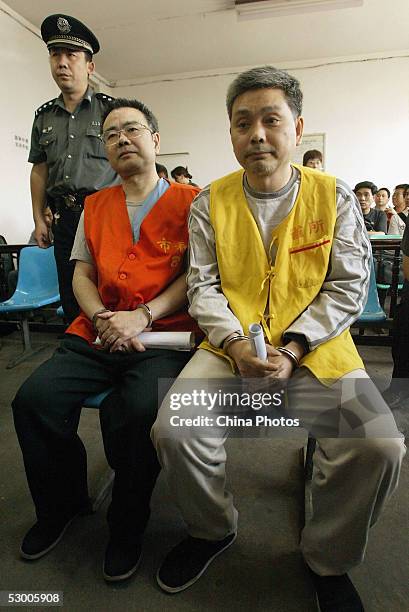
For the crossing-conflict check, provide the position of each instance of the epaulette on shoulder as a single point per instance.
(104, 97)
(45, 107)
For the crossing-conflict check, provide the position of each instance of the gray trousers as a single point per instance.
(352, 480)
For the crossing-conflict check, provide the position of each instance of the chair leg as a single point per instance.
(26, 336)
(28, 349)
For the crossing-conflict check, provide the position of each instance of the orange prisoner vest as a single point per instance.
(130, 274)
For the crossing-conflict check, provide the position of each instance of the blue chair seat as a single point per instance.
(37, 283)
(37, 286)
(372, 316)
(373, 312)
(94, 401)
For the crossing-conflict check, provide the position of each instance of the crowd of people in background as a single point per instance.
(180, 174)
(381, 215)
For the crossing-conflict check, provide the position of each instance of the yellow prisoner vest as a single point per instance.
(303, 243)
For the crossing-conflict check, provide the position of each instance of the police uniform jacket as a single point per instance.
(70, 144)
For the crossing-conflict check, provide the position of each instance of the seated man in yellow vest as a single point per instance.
(129, 277)
(283, 246)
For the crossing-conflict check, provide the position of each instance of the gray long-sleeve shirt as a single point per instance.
(343, 294)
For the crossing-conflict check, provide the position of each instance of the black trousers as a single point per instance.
(64, 233)
(46, 413)
(400, 343)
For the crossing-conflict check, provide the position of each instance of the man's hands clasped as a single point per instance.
(250, 366)
(119, 331)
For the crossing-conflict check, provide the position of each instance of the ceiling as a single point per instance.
(141, 39)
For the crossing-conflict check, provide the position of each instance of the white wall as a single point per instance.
(363, 107)
(26, 84)
(192, 117)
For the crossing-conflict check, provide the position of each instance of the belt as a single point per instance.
(70, 201)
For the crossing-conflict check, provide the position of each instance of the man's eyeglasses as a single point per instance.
(131, 131)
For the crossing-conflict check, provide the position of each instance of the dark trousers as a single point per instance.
(400, 343)
(46, 415)
(64, 233)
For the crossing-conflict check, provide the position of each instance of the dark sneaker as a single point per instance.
(44, 535)
(188, 561)
(121, 561)
(336, 593)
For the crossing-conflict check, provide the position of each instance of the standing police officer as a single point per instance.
(67, 154)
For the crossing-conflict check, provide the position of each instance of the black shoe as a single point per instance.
(336, 593)
(42, 537)
(188, 561)
(121, 561)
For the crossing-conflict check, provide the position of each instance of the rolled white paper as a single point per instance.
(176, 341)
(256, 336)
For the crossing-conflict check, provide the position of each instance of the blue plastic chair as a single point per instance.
(37, 286)
(373, 312)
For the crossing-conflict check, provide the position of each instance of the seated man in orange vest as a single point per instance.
(129, 277)
(284, 247)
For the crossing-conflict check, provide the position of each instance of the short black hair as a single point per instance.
(312, 154)
(366, 185)
(384, 189)
(180, 171)
(161, 168)
(403, 186)
(140, 106)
